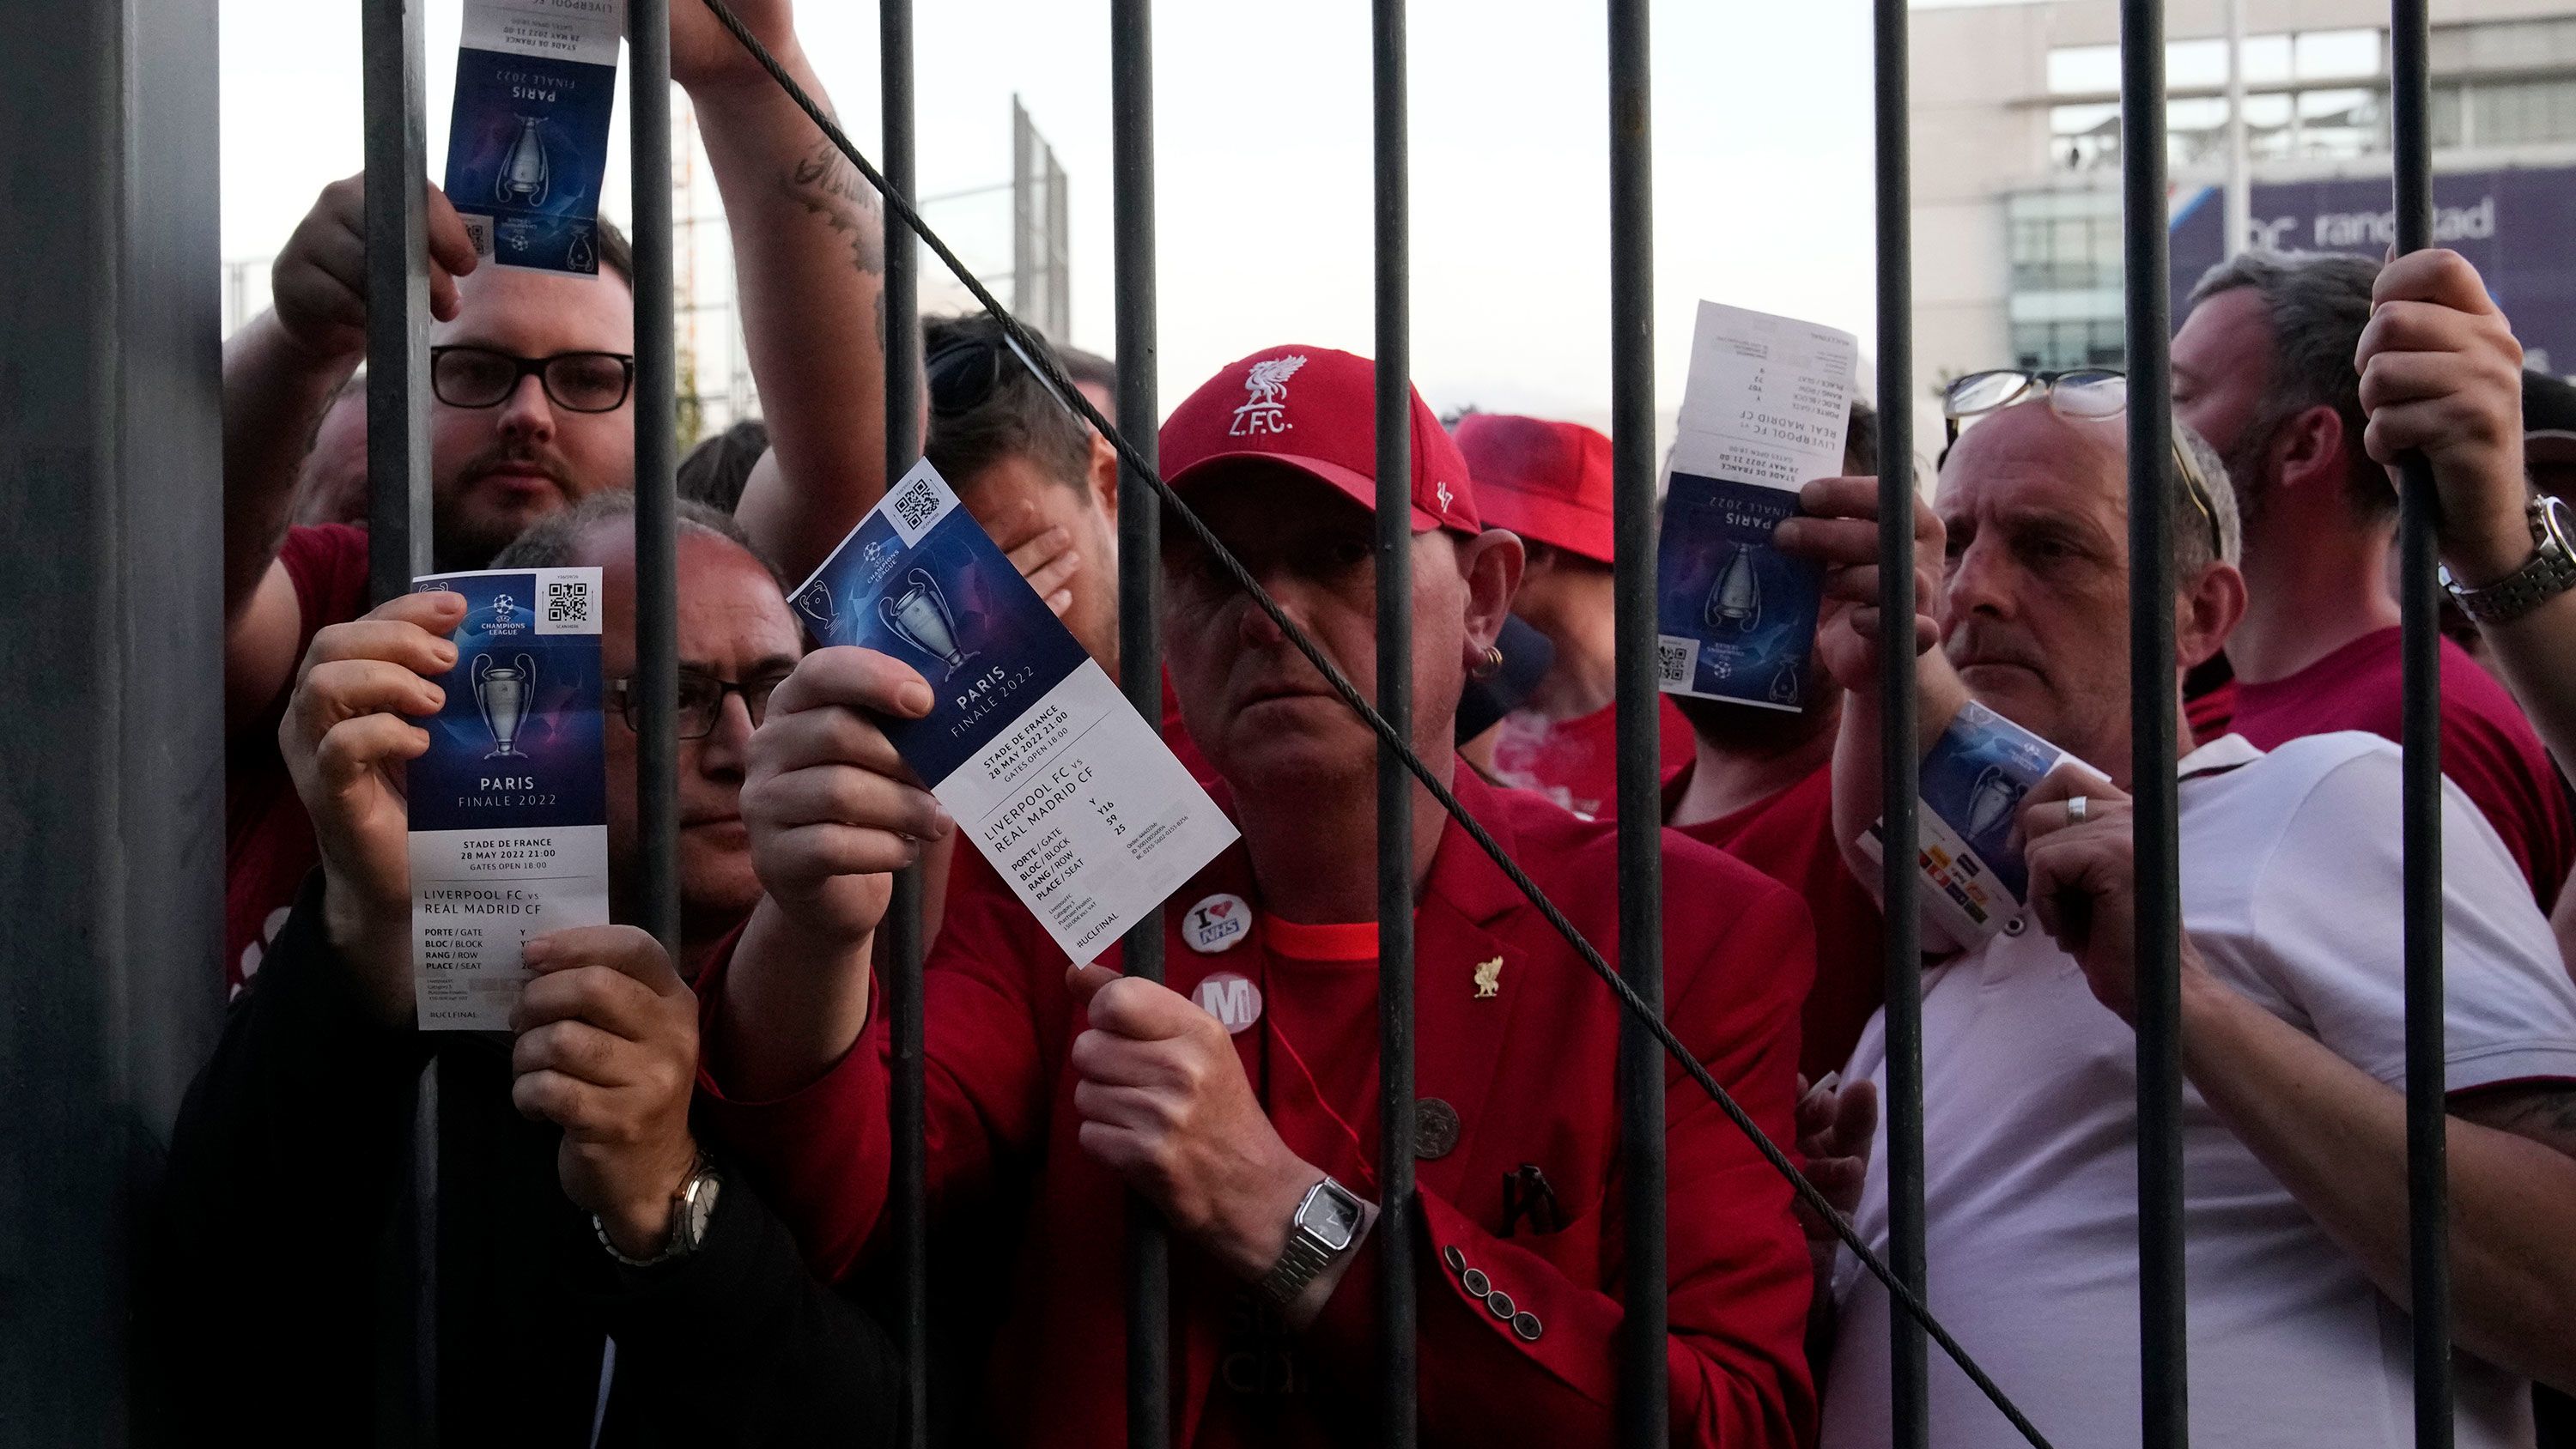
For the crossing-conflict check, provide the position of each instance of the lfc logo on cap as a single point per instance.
(1218, 923)
(1267, 381)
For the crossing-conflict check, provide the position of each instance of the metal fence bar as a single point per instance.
(2163, 1363)
(657, 617)
(1899, 762)
(909, 1177)
(398, 541)
(2427, 1160)
(1644, 1408)
(1140, 639)
(392, 50)
(1398, 1351)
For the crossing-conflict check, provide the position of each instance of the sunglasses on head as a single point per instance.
(963, 374)
(2083, 394)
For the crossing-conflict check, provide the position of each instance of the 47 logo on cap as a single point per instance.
(1218, 923)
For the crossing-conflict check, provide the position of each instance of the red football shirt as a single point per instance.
(2488, 748)
(1790, 838)
(1575, 762)
(268, 839)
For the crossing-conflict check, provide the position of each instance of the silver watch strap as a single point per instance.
(1298, 1264)
(2549, 572)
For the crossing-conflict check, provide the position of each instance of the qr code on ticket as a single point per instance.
(1673, 661)
(568, 602)
(478, 230)
(920, 501)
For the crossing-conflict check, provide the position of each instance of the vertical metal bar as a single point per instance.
(1024, 260)
(400, 549)
(1140, 636)
(398, 541)
(1899, 757)
(2427, 1161)
(910, 1169)
(1644, 1408)
(1398, 1352)
(657, 618)
(2154, 724)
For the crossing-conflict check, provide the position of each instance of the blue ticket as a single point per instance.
(509, 808)
(1973, 781)
(527, 144)
(1765, 411)
(1046, 767)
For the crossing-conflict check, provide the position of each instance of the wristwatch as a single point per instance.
(2549, 572)
(693, 1206)
(1326, 1221)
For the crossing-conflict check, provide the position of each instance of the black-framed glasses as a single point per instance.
(702, 698)
(962, 374)
(2085, 394)
(577, 382)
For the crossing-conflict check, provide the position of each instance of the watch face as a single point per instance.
(1332, 1216)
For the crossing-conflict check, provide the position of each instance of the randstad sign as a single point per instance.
(2511, 224)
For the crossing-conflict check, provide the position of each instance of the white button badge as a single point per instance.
(1218, 923)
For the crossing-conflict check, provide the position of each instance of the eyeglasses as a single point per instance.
(702, 698)
(2085, 394)
(962, 375)
(578, 382)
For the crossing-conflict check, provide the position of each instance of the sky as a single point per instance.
(1762, 180)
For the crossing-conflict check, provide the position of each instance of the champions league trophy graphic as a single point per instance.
(921, 618)
(525, 176)
(501, 691)
(816, 604)
(1784, 685)
(1736, 598)
(581, 256)
(1991, 801)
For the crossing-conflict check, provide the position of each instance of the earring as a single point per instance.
(1489, 666)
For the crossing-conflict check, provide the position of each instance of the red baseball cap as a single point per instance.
(1315, 410)
(1546, 481)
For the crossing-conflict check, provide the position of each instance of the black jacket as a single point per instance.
(275, 1288)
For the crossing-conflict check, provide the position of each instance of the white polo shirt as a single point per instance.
(2291, 890)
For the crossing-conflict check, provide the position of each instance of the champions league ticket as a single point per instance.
(528, 141)
(1972, 785)
(1768, 401)
(1069, 792)
(509, 809)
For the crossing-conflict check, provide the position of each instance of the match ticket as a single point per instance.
(1768, 401)
(509, 809)
(528, 143)
(1972, 783)
(1063, 786)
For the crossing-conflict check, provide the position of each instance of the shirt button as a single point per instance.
(1527, 1326)
(1475, 1282)
(1456, 1260)
(1501, 1303)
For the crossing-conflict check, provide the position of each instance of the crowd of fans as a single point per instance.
(664, 1199)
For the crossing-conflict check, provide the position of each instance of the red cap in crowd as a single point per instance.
(1548, 482)
(1315, 410)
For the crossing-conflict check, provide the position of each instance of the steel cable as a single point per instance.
(1033, 351)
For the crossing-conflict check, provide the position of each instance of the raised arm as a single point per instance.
(2441, 373)
(809, 273)
(281, 371)
(1840, 531)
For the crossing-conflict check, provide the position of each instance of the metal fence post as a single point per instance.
(657, 618)
(1398, 1350)
(2163, 1359)
(908, 1187)
(2427, 1158)
(1644, 1408)
(1140, 639)
(1899, 761)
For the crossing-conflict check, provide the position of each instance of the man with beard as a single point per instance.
(2265, 368)
(531, 376)
(2293, 1013)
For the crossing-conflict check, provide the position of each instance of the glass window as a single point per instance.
(2083, 69)
(2340, 123)
(2338, 54)
(2511, 113)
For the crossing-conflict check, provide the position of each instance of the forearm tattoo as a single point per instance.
(826, 184)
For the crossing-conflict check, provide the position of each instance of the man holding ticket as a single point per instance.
(531, 365)
(2292, 997)
(1240, 1098)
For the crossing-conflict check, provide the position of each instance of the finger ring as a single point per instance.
(2076, 805)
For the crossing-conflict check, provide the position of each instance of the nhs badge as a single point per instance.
(1219, 923)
